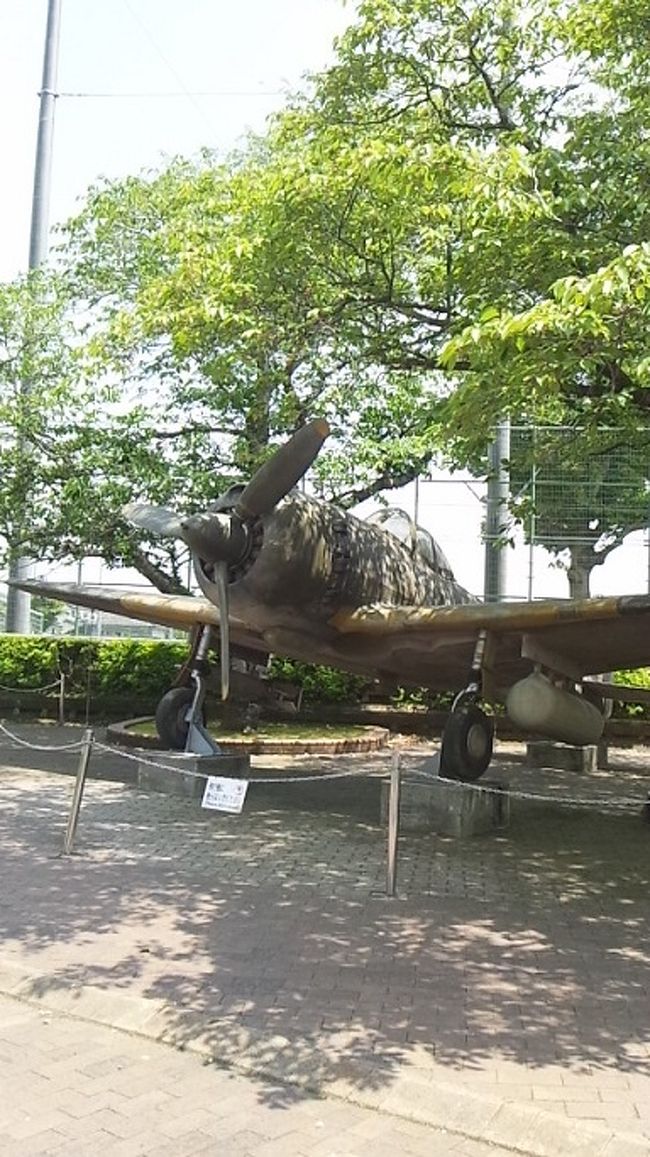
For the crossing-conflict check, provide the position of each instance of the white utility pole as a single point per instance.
(19, 603)
(497, 518)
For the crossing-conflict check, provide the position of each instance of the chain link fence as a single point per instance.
(567, 509)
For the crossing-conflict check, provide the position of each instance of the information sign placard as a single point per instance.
(224, 795)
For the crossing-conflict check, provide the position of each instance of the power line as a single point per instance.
(167, 62)
(226, 93)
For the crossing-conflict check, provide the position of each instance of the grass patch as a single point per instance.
(288, 731)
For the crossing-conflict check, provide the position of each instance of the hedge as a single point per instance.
(119, 671)
(637, 678)
(112, 667)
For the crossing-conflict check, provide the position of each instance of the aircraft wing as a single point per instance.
(430, 646)
(178, 611)
(576, 638)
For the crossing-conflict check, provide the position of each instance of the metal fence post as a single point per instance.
(77, 796)
(87, 703)
(393, 824)
(62, 698)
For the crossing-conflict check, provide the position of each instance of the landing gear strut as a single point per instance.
(180, 715)
(468, 737)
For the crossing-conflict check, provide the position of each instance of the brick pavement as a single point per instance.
(71, 1088)
(514, 971)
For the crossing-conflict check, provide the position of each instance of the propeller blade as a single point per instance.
(221, 583)
(277, 476)
(156, 519)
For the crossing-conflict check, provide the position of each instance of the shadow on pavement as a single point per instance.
(268, 932)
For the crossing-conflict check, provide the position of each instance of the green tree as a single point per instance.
(579, 507)
(426, 193)
(71, 447)
(576, 350)
(36, 373)
(319, 271)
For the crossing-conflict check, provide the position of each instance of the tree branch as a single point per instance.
(155, 574)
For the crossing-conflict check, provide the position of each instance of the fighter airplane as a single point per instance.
(281, 572)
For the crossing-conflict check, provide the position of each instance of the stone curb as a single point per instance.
(374, 739)
(412, 1096)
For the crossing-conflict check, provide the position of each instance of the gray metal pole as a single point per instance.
(61, 698)
(19, 602)
(38, 240)
(496, 519)
(77, 795)
(393, 825)
(532, 532)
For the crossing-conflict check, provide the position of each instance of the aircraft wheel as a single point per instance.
(171, 724)
(467, 744)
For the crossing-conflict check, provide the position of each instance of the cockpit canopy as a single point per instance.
(416, 538)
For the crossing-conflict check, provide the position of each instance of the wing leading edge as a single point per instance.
(585, 636)
(180, 611)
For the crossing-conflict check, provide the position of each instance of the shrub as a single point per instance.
(115, 667)
(638, 678)
(320, 684)
(118, 671)
(143, 667)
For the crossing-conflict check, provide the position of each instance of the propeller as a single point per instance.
(277, 476)
(221, 583)
(156, 519)
(215, 537)
(221, 538)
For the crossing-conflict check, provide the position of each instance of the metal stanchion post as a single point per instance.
(84, 757)
(62, 699)
(393, 825)
(87, 705)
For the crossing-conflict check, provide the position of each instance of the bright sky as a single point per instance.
(247, 55)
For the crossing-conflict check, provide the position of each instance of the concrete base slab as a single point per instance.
(563, 756)
(602, 755)
(451, 809)
(186, 774)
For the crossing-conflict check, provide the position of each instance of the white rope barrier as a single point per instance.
(250, 779)
(620, 803)
(30, 690)
(599, 802)
(602, 801)
(39, 746)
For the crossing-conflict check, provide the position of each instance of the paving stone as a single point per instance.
(509, 967)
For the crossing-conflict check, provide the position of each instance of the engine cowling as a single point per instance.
(536, 704)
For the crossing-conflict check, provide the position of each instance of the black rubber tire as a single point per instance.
(467, 743)
(171, 724)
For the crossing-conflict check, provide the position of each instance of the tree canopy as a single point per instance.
(447, 226)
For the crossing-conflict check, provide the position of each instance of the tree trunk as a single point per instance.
(579, 573)
(159, 578)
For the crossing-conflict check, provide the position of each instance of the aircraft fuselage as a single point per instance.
(312, 560)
